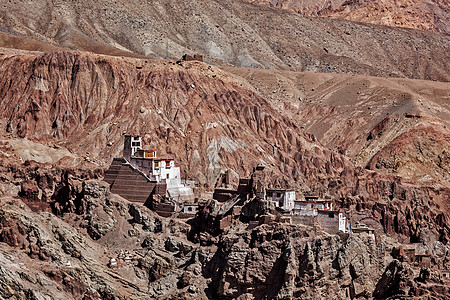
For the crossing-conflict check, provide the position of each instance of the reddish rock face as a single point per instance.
(64, 115)
(420, 148)
(401, 122)
(30, 191)
(11, 232)
(424, 15)
(207, 120)
(196, 113)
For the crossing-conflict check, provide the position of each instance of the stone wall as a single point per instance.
(329, 224)
(304, 220)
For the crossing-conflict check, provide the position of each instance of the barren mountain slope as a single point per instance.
(238, 33)
(192, 111)
(198, 114)
(431, 15)
(396, 125)
(63, 118)
(44, 256)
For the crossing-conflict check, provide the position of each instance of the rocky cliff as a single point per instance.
(292, 262)
(45, 256)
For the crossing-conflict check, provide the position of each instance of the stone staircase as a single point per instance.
(128, 182)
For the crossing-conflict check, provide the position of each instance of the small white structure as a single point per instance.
(112, 262)
(342, 222)
(332, 221)
(362, 228)
(282, 198)
(190, 208)
(136, 144)
(311, 205)
(161, 170)
(164, 170)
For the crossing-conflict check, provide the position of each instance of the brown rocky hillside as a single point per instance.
(81, 105)
(230, 32)
(396, 125)
(424, 15)
(63, 119)
(294, 94)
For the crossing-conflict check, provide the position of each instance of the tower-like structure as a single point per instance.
(131, 145)
(140, 174)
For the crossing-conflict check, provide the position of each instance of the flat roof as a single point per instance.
(329, 211)
(315, 201)
(152, 158)
(362, 229)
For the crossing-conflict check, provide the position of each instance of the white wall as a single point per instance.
(289, 200)
(283, 200)
(136, 144)
(168, 173)
(342, 222)
(192, 207)
(305, 212)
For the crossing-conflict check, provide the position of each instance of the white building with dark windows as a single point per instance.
(159, 170)
(190, 208)
(310, 205)
(330, 219)
(282, 198)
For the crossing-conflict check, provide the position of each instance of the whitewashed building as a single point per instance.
(158, 169)
(311, 205)
(282, 198)
(190, 208)
(332, 221)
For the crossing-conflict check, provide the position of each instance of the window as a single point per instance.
(189, 208)
(331, 215)
(136, 144)
(156, 164)
(168, 164)
(269, 194)
(148, 154)
(167, 176)
(278, 194)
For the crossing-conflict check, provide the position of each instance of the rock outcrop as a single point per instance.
(288, 261)
(63, 234)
